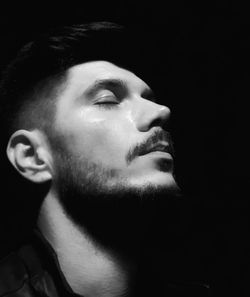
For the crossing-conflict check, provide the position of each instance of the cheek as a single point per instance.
(104, 140)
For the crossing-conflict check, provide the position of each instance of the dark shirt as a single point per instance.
(34, 271)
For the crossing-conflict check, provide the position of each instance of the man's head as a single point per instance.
(84, 123)
(107, 118)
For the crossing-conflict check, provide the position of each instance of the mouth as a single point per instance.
(159, 147)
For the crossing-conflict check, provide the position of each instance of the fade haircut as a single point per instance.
(32, 81)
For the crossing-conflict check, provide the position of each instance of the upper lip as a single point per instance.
(159, 147)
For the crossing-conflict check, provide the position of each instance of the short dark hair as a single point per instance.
(31, 81)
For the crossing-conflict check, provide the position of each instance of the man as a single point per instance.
(91, 130)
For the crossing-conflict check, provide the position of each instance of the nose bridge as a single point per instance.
(151, 114)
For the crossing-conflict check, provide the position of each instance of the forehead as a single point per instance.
(83, 75)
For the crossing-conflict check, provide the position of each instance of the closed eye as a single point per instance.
(108, 100)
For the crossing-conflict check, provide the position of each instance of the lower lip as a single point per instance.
(159, 154)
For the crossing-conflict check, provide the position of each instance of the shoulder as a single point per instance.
(14, 276)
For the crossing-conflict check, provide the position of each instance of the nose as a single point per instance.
(151, 115)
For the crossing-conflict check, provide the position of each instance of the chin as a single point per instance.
(159, 178)
(164, 179)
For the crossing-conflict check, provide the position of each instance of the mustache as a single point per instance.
(155, 138)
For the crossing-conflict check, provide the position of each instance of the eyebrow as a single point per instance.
(114, 83)
(109, 83)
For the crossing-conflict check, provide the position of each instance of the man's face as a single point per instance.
(109, 123)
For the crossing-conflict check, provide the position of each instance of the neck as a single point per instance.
(89, 269)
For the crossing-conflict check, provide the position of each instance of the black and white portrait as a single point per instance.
(123, 150)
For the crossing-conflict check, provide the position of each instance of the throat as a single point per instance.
(89, 269)
(95, 273)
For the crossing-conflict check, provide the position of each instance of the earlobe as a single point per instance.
(28, 153)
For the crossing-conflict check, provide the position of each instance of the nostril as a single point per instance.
(157, 122)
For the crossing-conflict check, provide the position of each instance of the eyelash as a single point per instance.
(107, 104)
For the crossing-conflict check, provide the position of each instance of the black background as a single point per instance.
(204, 79)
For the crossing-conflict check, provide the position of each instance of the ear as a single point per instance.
(29, 154)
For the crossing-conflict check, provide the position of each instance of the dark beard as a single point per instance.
(118, 217)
